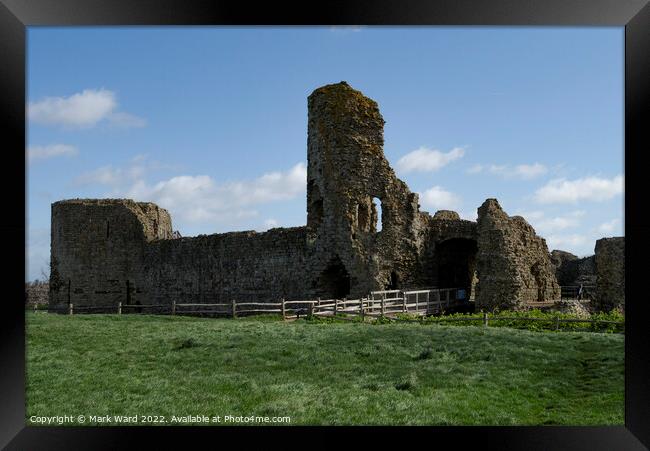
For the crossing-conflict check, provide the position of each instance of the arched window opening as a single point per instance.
(377, 215)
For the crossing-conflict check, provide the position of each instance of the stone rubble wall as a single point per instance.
(244, 266)
(513, 263)
(346, 170)
(110, 251)
(573, 271)
(610, 274)
(97, 248)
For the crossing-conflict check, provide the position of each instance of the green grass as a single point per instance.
(517, 320)
(321, 373)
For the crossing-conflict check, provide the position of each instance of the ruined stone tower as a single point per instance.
(348, 180)
(97, 249)
(106, 251)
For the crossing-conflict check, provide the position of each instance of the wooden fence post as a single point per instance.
(336, 303)
(70, 309)
(234, 309)
(119, 308)
(557, 323)
(284, 310)
(382, 307)
(448, 296)
(404, 308)
(361, 308)
(311, 310)
(485, 319)
(173, 307)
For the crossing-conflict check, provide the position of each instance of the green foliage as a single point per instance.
(543, 321)
(381, 320)
(331, 374)
(339, 318)
(265, 317)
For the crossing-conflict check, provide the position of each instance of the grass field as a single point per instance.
(320, 373)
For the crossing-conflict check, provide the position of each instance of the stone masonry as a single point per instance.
(610, 274)
(105, 251)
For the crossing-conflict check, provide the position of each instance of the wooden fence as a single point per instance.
(379, 304)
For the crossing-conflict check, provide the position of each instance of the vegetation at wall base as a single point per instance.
(517, 320)
(316, 372)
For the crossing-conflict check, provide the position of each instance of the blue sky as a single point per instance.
(211, 122)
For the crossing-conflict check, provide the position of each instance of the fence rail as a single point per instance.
(379, 304)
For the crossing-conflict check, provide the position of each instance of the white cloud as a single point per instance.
(521, 171)
(428, 160)
(126, 120)
(548, 225)
(269, 187)
(196, 199)
(572, 191)
(436, 198)
(469, 215)
(531, 216)
(83, 109)
(137, 168)
(476, 169)
(557, 223)
(51, 151)
(560, 241)
(529, 171)
(609, 227)
(106, 175)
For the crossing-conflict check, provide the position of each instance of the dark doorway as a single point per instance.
(334, 281)
(393, 284)
(455, 264)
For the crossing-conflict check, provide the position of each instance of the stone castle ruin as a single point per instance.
(105, 251)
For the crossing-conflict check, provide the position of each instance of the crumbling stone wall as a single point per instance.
(610, 273)
(513, 263)
(449, 255)
(346, 170)
(97, 249)
(573, 271)
(116, 250)
(245, 266)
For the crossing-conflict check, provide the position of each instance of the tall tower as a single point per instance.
(348, 181)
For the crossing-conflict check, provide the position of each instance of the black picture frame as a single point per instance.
(634, 15)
